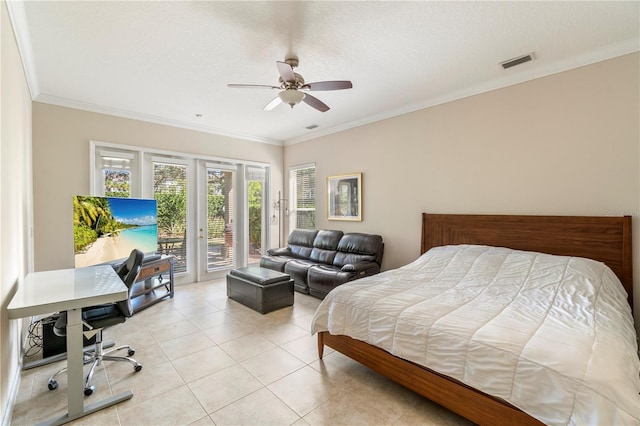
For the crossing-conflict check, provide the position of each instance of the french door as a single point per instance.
(211, 213)
(231, 218)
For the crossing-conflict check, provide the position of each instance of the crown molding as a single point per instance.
(523, 75)
(18, 19)
(100, 109)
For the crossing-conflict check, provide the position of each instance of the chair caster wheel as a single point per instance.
(131, 352)
(137, 368)
(52, 385)
(88, 391)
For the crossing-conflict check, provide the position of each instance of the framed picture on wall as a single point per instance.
(344, 197)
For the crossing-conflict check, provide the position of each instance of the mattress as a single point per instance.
(552, 335)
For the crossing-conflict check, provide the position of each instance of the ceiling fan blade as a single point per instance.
(315, 103)
(251, 86)
(328, 85)
(274, 103)
(286, 72)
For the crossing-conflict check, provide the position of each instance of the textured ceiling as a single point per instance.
(167, 62)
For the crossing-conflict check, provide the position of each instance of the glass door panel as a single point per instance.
(255, 178)
(220, 230)
(170, 192)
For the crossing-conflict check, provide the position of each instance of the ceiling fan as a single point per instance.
(293, 89)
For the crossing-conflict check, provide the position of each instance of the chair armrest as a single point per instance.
(282, 251)
(361, 269)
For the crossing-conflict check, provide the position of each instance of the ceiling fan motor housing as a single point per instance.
(299, 82)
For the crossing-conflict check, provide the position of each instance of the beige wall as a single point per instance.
(565, 144)
(16, 252)
(61, 166)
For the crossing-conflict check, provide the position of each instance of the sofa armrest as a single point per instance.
(282, 251)
(361, 269)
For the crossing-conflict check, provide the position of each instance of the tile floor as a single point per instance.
(209, 360)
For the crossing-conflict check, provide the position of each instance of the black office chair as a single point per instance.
(96, 318)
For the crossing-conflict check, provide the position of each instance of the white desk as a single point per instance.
(70, 290)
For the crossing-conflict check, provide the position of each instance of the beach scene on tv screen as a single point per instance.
(106, 229)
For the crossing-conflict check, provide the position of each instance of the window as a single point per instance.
(302, 190)
(117, 172)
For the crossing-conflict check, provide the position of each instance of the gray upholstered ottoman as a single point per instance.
(259, 288)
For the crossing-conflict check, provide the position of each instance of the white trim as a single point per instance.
(12, 395)
(92, 168)
(170, 161)
(116, 112)
(18, 19)
(220, 166)
(117, 154)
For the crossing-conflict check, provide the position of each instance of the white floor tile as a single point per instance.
(210, 360)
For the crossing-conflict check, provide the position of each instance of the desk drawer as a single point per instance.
(152, 270)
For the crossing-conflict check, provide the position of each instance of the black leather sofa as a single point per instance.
(320, 260)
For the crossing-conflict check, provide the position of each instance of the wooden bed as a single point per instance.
(606, 239)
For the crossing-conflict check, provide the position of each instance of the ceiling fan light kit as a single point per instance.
(292, 85)
(291, 97)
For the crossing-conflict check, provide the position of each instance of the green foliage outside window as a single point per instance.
(255, 212)
(170, 192)
(172, 211)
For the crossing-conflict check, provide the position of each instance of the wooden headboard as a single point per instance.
(605, 239)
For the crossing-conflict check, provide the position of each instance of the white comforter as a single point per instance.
(552, 335)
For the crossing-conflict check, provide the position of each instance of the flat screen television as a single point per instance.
(106, 229)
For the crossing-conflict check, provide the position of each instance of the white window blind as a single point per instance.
(302, 197)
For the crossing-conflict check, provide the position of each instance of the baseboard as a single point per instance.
(14, 386)
(7, 412)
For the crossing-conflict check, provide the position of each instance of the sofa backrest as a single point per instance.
(325, 245)
(301, 242)
(356, 247)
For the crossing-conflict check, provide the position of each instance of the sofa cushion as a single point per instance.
(323, 279)
(301, 242)
(356, 248)
(298, 269)
(325, 245)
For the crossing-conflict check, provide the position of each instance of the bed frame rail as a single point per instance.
(470, 403)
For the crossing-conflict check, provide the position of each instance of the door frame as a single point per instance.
(200, 220)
